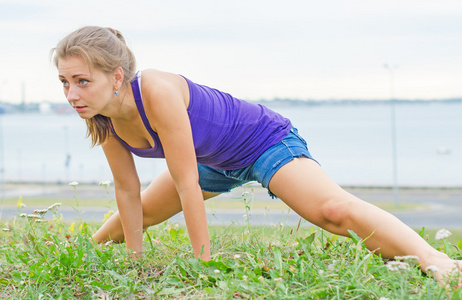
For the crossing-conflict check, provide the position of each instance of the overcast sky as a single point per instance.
(253, 49)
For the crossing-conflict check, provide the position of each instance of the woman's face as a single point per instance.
(89, 92)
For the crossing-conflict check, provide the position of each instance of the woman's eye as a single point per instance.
(83, 82)
(65, 83)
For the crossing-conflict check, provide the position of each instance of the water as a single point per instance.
(352, 143)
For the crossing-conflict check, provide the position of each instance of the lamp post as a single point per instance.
(2, 167)
(2, 164)
(68, 154)
(393, 134)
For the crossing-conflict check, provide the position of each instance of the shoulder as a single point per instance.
(163, 94)
(157, 85)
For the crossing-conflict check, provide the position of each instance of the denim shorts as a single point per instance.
(262, 170)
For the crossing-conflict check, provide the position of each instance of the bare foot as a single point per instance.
(445, 270)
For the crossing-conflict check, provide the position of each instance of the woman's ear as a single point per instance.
(118, 77)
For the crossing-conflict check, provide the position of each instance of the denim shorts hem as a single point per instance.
(220, 191)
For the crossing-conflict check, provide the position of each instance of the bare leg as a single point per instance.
(160, 201)
(305, 187)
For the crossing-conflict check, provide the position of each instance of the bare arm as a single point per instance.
(166, 105)
(127, 190)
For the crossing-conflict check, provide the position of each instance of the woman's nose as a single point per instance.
(72, 95)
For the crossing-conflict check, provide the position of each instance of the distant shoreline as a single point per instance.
(64, 108)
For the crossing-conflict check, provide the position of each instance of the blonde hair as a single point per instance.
(104, 49)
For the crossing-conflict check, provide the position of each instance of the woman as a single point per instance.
(212, 143)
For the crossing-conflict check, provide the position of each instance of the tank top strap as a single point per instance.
(136, 88)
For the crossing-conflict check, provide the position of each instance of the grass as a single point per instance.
(56, 260)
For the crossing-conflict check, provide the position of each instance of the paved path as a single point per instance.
(436, 208)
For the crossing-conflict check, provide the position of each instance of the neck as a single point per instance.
(122, 107)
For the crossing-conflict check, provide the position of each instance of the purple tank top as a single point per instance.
(228, 133)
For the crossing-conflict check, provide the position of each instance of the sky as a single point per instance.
(253, 49)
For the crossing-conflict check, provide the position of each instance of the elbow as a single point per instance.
(188, 188)
(125, 185)
(187, 184)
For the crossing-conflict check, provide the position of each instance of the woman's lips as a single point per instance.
(80, 108)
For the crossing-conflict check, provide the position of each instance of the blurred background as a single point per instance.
(374, 87)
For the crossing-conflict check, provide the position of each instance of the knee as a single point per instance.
(336, 211)
(148, 219)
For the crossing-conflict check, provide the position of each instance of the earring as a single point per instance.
(116, 93)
